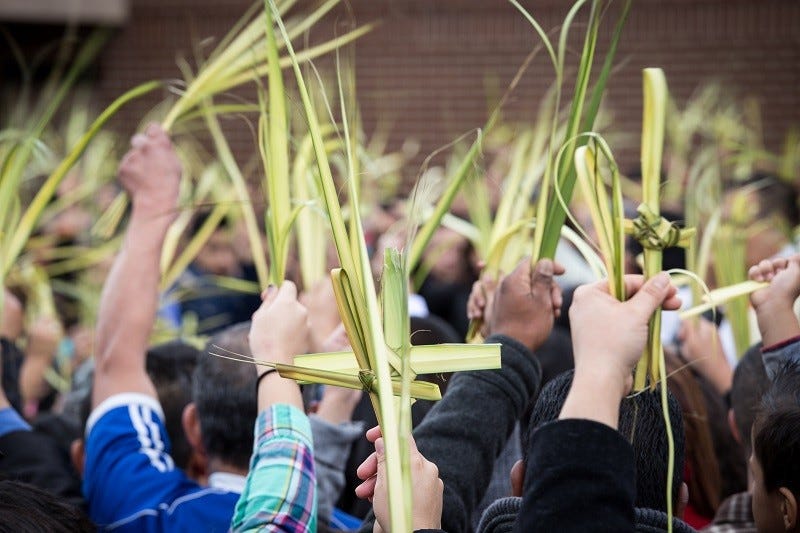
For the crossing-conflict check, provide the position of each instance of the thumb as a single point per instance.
(543, 272)
(651, 295)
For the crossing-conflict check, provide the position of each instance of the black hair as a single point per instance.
(25, 508)
(775, 196)
(776, 443)
(201, 217)
(750, 382)
(170, 366)
(224, 393)
(641, 422)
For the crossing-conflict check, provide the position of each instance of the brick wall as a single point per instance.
(426, 68)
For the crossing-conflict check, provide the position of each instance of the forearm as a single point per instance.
(275, 390)
(777, 322)
(593, 396)
(332, 445)
(32, 384)
(128, 308)
(280, 494)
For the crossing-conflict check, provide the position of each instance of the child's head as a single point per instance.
(775, 461)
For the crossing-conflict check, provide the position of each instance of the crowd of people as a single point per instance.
(171, 438)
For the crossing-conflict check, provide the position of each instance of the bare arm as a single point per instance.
(150, 172)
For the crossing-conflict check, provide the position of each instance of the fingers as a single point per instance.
(477, 301)
(652, 295)
(154, 130)
(543, 273)
(287, 291)
(767, 269)
(269, 294)
(374, 434)
(557, 298)
(138, 140)
(368, 468)
(366, 490)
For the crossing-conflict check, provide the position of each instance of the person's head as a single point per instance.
(217, 256)
(641, 422)
(219, 421)
(775, 461)
(750, 381)
(170, 366)
(28, 509)
(771, 212)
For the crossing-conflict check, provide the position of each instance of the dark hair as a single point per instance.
(201, 217)
(224, 393)
(25, 508)
(641, 422)
(776, 444)
(750, 381)
(775, 196)
(170, 366)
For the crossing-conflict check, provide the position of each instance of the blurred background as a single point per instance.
(431, 70)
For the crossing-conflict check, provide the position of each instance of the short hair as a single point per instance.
(750, 382)
(29, 509)
(641, 422)
(224, 393)
(170, 366)
(776, 443)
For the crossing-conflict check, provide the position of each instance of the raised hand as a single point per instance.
(527, 303)
(280, 329)
(427, 488)
(774, 304)
(151, 173)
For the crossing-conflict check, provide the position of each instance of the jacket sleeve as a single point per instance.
(777, 355)
(579, 477)
(280, 492)
(332, 443)
(468, 428)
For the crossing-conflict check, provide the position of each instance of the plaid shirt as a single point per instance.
(735, 515)
(280, 494)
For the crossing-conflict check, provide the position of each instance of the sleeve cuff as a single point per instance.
(11, 421)
(780, 345)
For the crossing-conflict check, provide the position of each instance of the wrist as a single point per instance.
(778, 328)
(153, 211)
(592, 397)
(521, 335)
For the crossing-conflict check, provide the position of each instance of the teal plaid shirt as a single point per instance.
(280, 493)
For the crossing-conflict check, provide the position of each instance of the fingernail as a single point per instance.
(379, 446)
(661, 280)
(271, 289)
